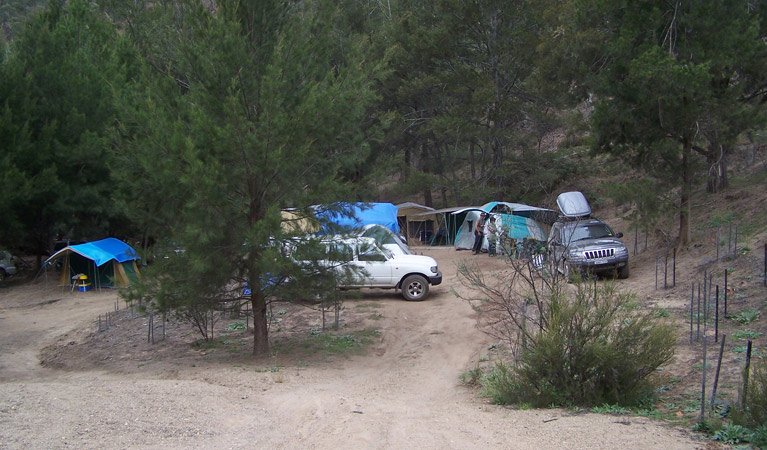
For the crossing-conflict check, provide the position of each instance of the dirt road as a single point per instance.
(404, 393)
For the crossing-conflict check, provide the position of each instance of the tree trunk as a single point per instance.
(406, 169)
(260, 324)
(724, 181)
(684, 204)
(443, 191)
(712, 181)
(471, 161)
(427, 198)
(424, 163)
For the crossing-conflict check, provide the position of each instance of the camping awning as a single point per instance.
(543, 215)
(100, 252)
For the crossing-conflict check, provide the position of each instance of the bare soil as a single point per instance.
(66, 384)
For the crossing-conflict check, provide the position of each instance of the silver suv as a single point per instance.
(588, 246)
(580, 243)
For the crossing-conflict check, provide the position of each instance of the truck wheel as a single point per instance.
(415, 288)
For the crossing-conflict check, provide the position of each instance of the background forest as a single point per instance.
(112, 112)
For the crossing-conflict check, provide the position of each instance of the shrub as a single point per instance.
(759, 438)
(733, 434)
(594, 351)
(502, 386)
(585, 347)
(755, 412)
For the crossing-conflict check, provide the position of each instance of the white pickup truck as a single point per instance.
(384, 269)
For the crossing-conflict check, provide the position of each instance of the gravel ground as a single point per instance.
(111, 389)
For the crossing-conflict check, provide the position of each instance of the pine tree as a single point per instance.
(240, 112)
(56, 105)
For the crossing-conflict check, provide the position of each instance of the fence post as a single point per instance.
(692, 308)
(705, 308)
(718, 366)
(725, 293)
(745, 375)
(716, 316)
(703, 383)
(697, 335)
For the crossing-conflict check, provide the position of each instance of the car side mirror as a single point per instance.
(619, 235)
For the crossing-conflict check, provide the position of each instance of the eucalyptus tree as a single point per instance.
(675, 84)
(240, 112)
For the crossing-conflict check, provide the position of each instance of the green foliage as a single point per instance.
(464, 85)
(733, 434)
(640, 198)
(321, 342)
(57, 84)
(501, 385)
(720, 220)
(237, 114)
(591, 346)
(759, 438)
(595, 351)
(745, 317)
(646, 70)
(610, 409)
(472, 377)
(754, 414)
(273, 369)
(234, 326)
(745, 335)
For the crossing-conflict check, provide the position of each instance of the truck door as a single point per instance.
(376, 264)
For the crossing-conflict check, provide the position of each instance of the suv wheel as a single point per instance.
(2, 274)
(415, 288)
(623, 272)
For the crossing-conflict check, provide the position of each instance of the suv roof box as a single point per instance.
(573, 205)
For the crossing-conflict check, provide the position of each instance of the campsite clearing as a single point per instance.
(113, 389)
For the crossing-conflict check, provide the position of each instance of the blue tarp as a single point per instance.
(384, 214)
(105, 250)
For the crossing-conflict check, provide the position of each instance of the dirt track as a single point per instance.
(404, 393)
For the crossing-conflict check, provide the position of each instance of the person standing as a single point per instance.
(479, 233)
